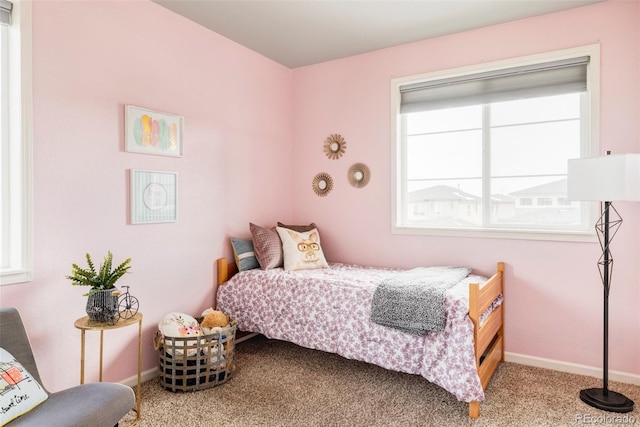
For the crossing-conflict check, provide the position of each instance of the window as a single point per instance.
(15, 133)
(491, 142)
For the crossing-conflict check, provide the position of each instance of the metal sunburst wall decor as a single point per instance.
(322, 184)
(358, 175)
(334, 146)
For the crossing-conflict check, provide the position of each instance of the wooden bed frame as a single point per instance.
(488, 337)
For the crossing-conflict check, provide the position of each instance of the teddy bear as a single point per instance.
(213, 321)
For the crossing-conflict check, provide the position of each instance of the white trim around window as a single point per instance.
(17, 194)
(589, 145)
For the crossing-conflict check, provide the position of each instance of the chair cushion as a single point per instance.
(95, 404)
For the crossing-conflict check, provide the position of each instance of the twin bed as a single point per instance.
(329, 309)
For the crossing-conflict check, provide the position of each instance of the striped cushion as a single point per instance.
(243, 254)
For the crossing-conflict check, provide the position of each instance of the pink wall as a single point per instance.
(92, 58)
(89, 60)
(553, 289)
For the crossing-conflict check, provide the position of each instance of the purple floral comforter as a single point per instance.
(329, 309)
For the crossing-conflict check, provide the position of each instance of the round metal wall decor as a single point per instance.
(334, 146)
(322, 184)
(359, 175)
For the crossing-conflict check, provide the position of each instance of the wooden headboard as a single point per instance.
(226, 269)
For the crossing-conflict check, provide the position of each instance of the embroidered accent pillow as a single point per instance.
(179, 325)
(267, 246)
(20, 391)
(243, 254)
(302, 251)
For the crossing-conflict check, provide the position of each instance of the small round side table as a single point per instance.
(86, 324)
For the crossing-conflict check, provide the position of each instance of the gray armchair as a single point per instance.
(95, 404)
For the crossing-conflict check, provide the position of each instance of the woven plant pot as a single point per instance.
(102, 306)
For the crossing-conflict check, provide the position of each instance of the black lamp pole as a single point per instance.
(603, 398)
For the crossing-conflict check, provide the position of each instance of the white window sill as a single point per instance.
(12, 277)
(583, 236)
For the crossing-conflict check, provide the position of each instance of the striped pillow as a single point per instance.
(243, 254)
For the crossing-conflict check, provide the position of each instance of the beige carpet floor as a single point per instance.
(280, 384)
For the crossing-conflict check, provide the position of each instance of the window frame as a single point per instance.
(589, 146)
(18, 159)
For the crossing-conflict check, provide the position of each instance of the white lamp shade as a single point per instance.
(611, 178)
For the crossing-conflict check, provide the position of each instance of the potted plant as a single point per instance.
(102, 301)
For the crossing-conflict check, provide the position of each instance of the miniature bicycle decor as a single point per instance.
(127, 305)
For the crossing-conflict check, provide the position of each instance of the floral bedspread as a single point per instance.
(329, 309)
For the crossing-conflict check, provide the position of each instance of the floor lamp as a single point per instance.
(606, 179)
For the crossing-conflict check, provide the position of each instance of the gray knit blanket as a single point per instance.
(413, 300)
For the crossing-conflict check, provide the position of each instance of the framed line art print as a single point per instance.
(152, 132)
(154, 196)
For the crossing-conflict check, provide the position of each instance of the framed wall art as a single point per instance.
(152, 132)
(154, 196)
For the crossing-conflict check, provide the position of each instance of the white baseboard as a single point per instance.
(147, 375)
(570, 368)
(522, 359)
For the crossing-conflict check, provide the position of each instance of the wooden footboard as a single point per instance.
(488, 335)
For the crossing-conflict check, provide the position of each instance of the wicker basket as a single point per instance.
(196, 363)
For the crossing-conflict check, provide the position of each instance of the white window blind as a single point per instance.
(537, 80)
(5, 12)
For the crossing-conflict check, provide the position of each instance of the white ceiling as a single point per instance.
(296, 33)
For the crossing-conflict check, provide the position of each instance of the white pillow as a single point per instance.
(20, 391)
(302, 250)
(179, 325)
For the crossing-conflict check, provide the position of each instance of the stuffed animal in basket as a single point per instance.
(174, 328)
(214, 321)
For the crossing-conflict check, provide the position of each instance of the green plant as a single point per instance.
(104, 278)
